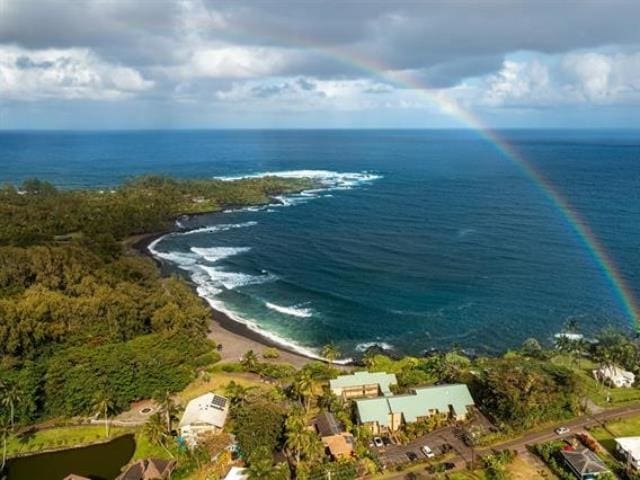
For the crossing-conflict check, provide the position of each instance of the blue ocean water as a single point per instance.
(420, 239)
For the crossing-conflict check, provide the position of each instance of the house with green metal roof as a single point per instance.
(363, 385)
(387, 414)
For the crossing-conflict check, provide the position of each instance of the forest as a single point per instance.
(81, 316)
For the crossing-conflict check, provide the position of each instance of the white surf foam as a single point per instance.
(327, 178)
(219, 228)
(215, 254)
(362, 347)
(294, 311)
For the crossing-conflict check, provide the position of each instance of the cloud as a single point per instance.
(64, 74)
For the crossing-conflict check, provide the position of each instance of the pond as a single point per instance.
(98, 462)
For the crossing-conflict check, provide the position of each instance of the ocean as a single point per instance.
(418, 239)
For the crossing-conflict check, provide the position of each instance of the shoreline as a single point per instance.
(236, 338)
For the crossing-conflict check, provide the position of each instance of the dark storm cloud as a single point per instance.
(448, 41)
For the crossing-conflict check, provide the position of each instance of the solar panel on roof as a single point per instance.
(219, 402)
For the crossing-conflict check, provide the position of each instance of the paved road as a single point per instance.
(392, 454)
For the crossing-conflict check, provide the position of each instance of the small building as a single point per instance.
(149, 469)
(584, 464)
(629, 449)
(236, 473)
(206, 414)
(363, 385)
(338, 442)
(388, 414)
(615, 376)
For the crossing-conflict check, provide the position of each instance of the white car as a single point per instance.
(562, 430)
(427, 451)
(377, 441)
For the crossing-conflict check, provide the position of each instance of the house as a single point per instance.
(338, 442)
(584, 464)
(236, 473)
(387, 414)
(149, 469)
(629, 449)
(615, 376)
(204, 414)
(363, 385)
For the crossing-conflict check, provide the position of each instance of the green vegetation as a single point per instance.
(629, 427)
(83, 321)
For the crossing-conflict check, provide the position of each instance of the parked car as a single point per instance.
(427, 451)
(440, 467)
(562, 430)
(377, 441)
(411, 456)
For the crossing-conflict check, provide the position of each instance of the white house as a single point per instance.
(205, 414)
(615, 376)
(629, 448)
(236, 473)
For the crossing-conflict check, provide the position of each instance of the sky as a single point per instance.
(101, 64)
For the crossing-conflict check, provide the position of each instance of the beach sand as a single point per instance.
(236, 339)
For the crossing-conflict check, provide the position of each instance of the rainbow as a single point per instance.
(594, 247)
(404, 79)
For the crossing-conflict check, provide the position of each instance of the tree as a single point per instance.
(154, 431)
(331, 352)
(296, 434)
(10, 395)
(303, 386)
(237, 393)
(167, 407)
(261, 465)
(250, 361)
(531, 348)
(103, 405)
(5, 429)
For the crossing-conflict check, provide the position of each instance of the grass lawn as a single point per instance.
(525, 469)
(61, 437)
(217, 383)
(629, 427)
(595, 391)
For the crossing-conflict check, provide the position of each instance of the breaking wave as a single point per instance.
(294, 311)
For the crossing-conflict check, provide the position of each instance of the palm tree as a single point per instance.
(236, 392)
(250, 361)
(167, 407)
(331, 352)
(296, 434)
(303, 386)
(155, 431)
(103, 405)
(260, 465)
(5, 429)
(11, 395)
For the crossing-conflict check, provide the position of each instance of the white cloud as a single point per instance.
(73, 73)
(237, 62)
(575, 78)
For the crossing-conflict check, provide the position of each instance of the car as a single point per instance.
(427, 451)
(411, 456)
(562, 430)
(377, 441)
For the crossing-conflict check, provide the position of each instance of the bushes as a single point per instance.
(125, 372)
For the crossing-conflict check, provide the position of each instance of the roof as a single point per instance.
(611, 371)
(384, 380)
(148, 469)
(339, 445)
(417, 404)
(236, 473)
(326, 424)
(584, 461)
(207, 409)
(630, 445)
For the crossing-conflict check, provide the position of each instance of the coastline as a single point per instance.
(236, 339)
